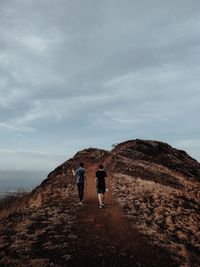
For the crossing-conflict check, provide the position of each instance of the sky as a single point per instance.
(78, 74)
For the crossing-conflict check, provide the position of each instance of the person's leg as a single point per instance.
(103, 198)
(99, 198)
(103, 189)
(81, 191)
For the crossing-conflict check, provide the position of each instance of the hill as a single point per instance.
(151, 217)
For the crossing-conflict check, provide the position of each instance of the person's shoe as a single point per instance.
(100, 206)
(81, 202)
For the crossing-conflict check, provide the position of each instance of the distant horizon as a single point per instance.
(46, 171)
(14, 180)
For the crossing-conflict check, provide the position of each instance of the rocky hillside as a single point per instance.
(159, 189)
(156, 187)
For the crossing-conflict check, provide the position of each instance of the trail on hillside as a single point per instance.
(155, 192)
(105, 237)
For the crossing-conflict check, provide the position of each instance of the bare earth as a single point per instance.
(106, 238)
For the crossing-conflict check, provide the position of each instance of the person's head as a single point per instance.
(101, 167)
(81, 165)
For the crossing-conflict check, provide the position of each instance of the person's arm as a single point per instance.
(96, 180)
(105, 181)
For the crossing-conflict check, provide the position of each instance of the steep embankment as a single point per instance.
(159, 190)
(156, 187)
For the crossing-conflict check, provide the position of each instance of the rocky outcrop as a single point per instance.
(162, 154)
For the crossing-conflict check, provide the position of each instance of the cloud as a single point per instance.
(35, 43)
(29, 152)
(145, 82)
(26, 159)
(15, 128)
(123, 120)
(188, 143)
(73, 70)
(61, 109)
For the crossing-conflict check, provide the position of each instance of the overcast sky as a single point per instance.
(88, 73)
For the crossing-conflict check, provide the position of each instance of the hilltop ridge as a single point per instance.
(153, 196)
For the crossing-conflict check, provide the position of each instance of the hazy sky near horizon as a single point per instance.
(78, 74)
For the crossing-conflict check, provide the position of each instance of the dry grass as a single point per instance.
(12, 203)
(168, 216)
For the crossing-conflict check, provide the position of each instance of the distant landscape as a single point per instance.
(14, 181)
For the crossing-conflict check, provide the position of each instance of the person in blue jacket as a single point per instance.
(80, 180)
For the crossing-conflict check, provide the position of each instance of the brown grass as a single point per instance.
(12, 203)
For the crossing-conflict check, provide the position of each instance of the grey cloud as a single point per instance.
(15, 128)
(122, 69)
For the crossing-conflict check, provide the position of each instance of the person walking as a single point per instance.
(80, 180)
(101, 185)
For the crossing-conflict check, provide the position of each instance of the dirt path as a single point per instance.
(105, 237)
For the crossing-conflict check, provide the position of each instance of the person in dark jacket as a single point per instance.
(101, 185)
